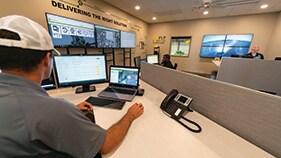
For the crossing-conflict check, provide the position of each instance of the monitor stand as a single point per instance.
(85, 88)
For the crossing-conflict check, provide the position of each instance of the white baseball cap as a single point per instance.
(32, 35)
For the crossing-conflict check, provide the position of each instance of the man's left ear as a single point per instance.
(47, 59)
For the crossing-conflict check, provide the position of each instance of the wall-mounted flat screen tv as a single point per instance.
(225, 45)
(107, 37)
(237, 45)
(128, 39)
(66, 32)
(212, 46)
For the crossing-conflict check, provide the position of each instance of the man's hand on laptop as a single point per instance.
(85, 106)
(135, 111)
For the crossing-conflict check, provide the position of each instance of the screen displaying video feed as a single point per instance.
(212, 46)
(128, 39)
(107, 37)
(225, 45)
(67, 32)
(237, 45)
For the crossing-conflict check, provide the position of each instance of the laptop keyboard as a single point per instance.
(122, 91)
(114, 104)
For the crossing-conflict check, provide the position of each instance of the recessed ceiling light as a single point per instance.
(137, 7)
(264, 6)
(154, 18)
(205, 12)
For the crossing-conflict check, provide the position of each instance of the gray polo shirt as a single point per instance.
(32, 122)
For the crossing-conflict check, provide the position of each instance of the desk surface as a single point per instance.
(154, 135)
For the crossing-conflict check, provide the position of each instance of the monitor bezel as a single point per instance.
(79, 83)
(122, 85)
(75, 20)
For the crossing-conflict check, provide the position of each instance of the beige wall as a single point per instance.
(35, 10)
(265, 28)
(274, 46)
(260, 25)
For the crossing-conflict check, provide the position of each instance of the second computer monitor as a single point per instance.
(73, 70)
(49, 83)
(152, 59)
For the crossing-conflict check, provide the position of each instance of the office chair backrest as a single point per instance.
(175, 66)
(137, 61)
(277, 58)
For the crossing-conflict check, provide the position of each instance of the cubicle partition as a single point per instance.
(253, 115)
(262, 75)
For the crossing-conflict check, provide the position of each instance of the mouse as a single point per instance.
(140, 92)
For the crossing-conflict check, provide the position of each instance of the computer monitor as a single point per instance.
(107, 37)
(152, 59)
(144, 60)
(128, 39)
(49, 83)
(66, 32)
(73, 70)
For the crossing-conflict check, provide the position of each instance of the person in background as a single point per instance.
(166, 61)
(32, 123)
(254, 53)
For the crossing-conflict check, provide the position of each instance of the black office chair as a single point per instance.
(175, 66)
(277, 58)
(137, 61)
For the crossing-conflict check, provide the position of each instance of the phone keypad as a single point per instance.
(171, 109)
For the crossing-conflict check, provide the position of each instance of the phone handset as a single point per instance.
(175, 105)
(172, 94)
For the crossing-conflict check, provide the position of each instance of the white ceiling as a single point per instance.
(176, 10)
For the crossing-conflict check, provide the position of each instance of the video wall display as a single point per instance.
(67, 32)
(225, 45)
(107, 37)
(128, 39)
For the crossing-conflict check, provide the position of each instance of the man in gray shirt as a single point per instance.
(31, 122)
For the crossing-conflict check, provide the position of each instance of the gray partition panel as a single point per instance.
(253, 115)
(263, 75)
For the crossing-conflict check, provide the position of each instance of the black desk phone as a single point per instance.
(175, 105)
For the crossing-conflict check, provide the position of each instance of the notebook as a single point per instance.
(123, 83)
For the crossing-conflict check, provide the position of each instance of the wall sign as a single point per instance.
(62, 4)
(159, 39)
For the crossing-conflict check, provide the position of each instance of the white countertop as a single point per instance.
(155, 135)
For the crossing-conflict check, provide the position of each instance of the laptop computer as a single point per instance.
(123, 83)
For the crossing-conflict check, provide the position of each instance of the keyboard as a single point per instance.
(122, 91)
(108, 103)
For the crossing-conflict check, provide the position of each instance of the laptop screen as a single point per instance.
(124, 76)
